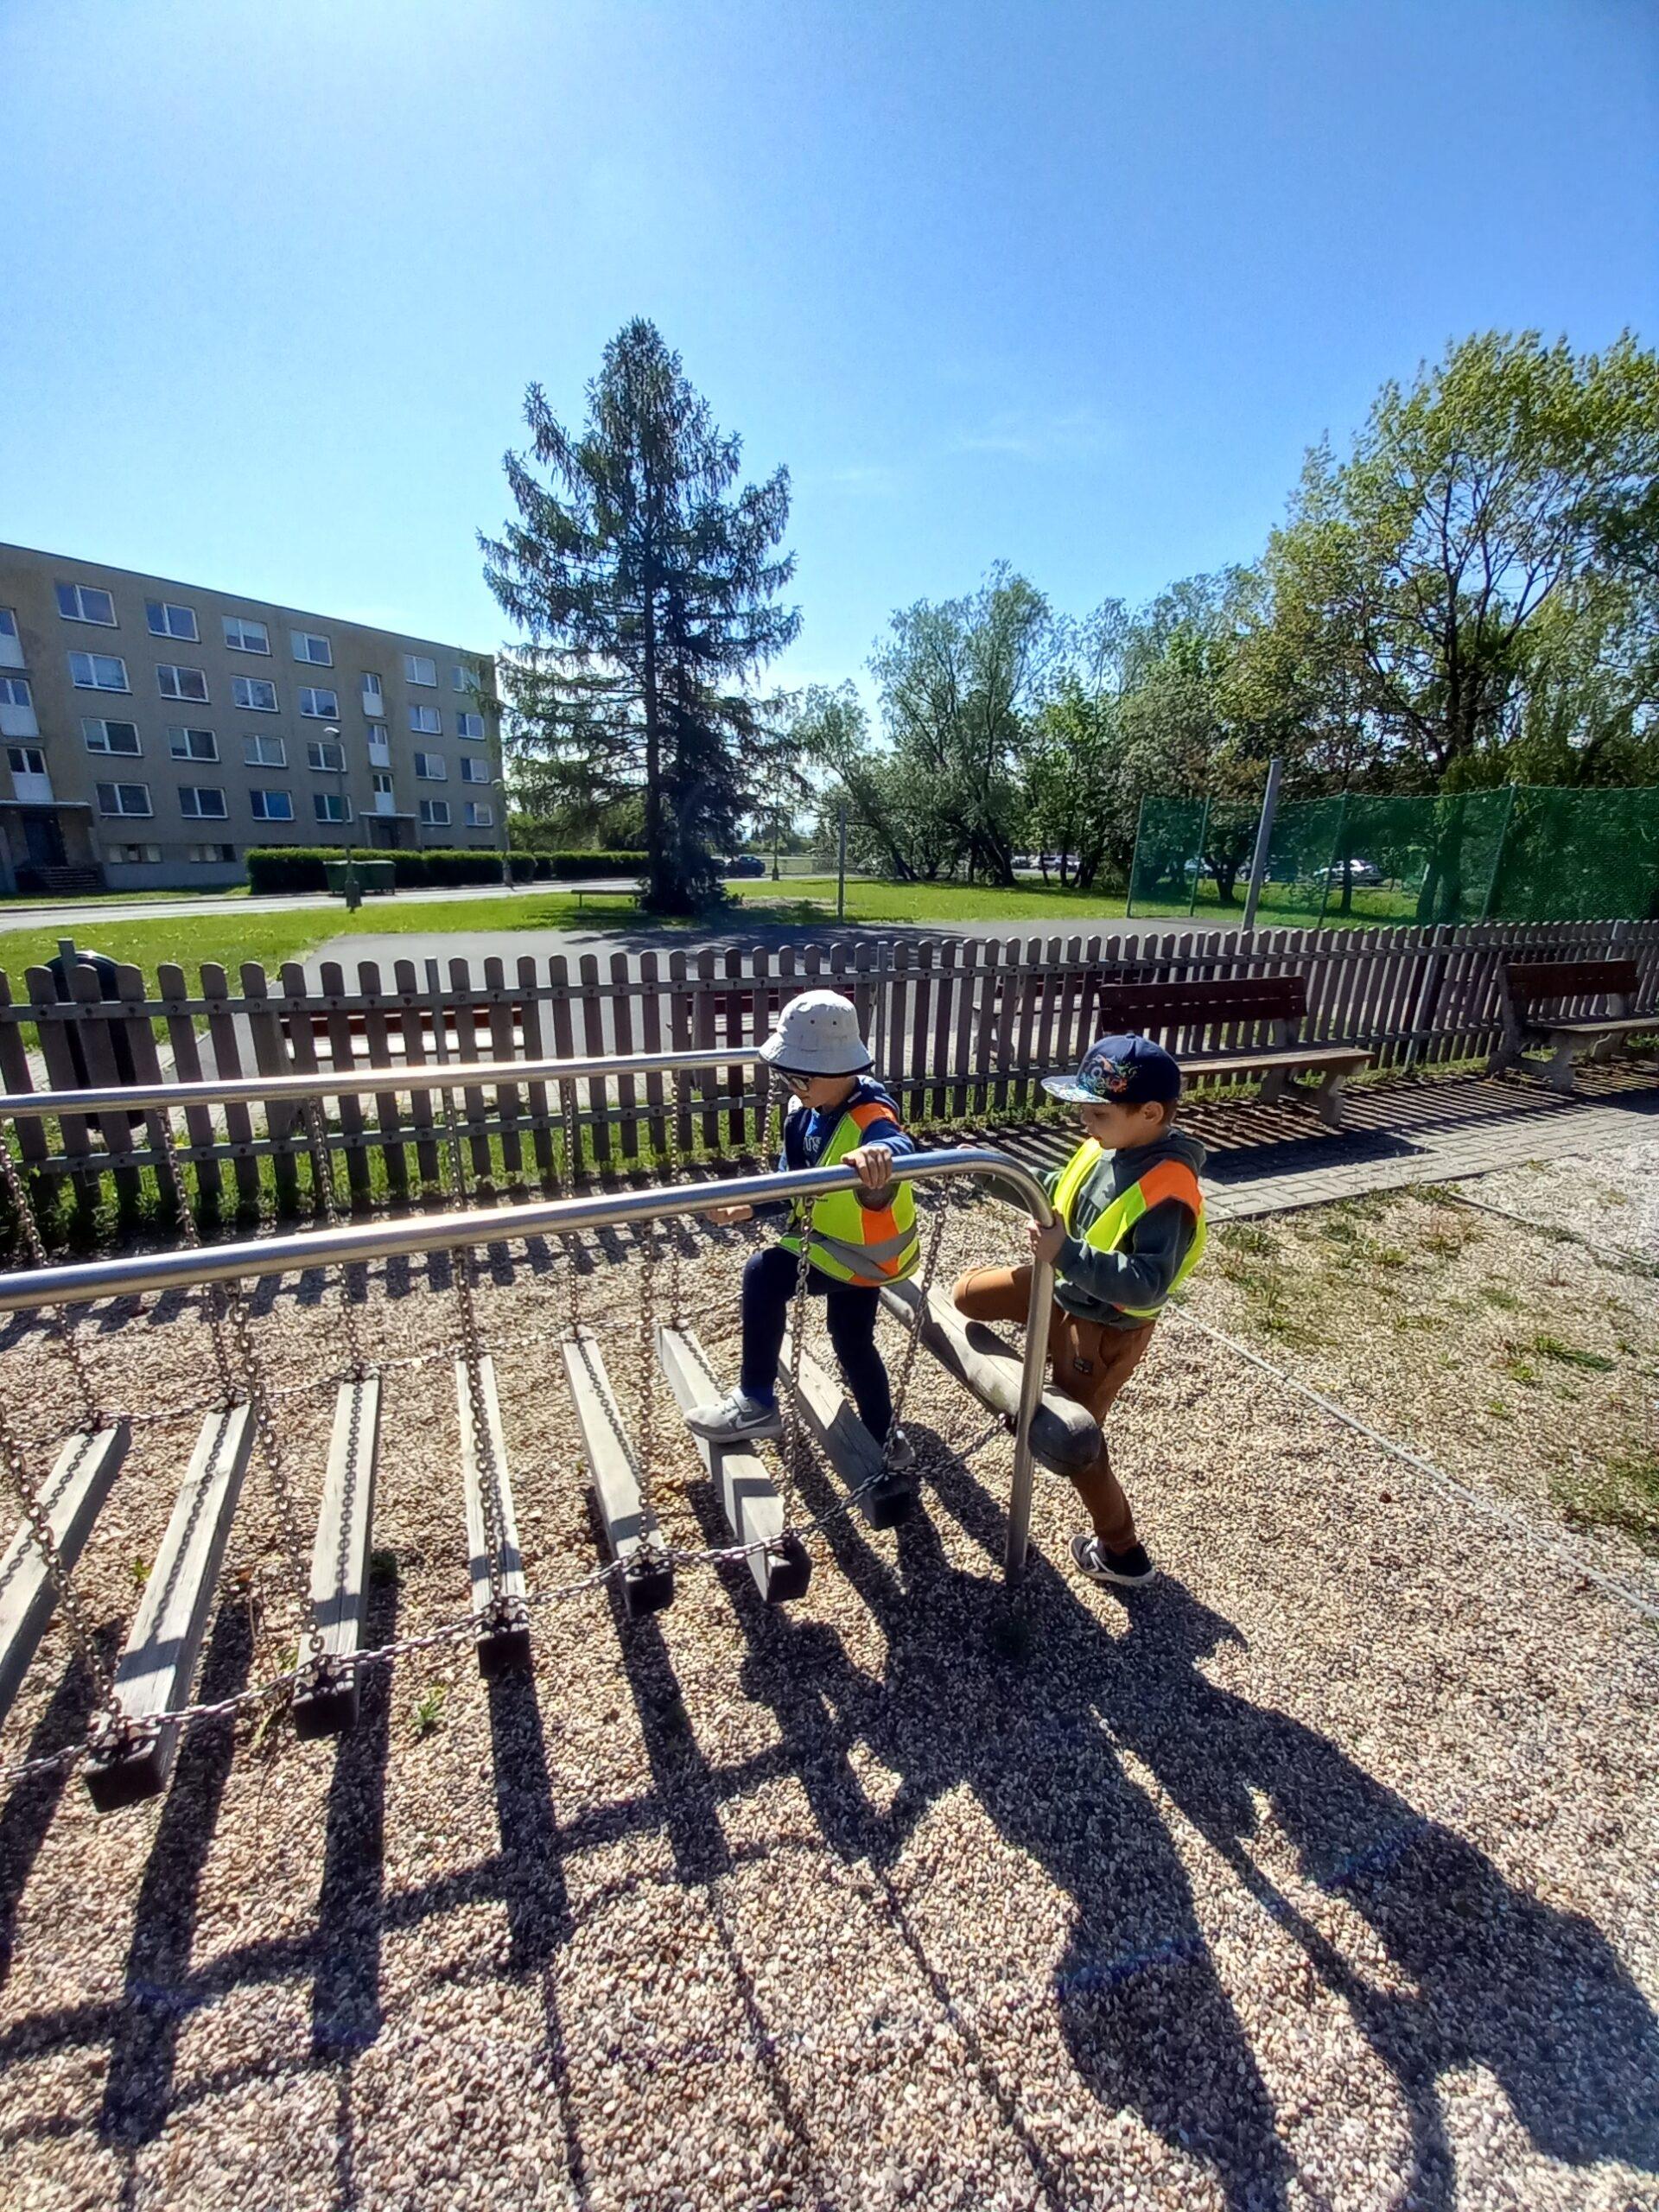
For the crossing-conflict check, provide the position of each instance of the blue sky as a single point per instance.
(1068, 285)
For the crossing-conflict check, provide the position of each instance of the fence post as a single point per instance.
(1197, 858)
(1263, 840)
(1497, 857)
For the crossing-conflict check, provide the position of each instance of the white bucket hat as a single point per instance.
(817, 1034)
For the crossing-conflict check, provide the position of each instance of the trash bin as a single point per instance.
(107, 972)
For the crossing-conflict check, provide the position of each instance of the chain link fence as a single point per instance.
(1522, 854)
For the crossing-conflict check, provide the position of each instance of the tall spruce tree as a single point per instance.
(645, 588)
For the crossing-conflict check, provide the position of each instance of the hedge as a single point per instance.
(301, 867)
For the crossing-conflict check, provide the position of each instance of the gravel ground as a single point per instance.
(1319, 1875)
(1612, 1196)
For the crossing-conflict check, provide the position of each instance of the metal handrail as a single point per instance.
(333, 1082)
(79, 1282)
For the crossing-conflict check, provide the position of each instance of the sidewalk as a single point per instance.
(1270, 1159)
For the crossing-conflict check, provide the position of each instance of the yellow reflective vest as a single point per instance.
(1109, 1232)
(855, 1243)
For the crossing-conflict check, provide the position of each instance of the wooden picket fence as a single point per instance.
(960, 1028)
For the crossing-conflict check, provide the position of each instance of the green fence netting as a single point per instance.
(1521, 853)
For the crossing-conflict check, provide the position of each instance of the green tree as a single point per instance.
(645, 587)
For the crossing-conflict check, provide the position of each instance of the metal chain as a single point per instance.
(295, 1559)
(791, 1445)
(914, 1336)
(675, 1274)
(323, 1167)
(40, 1528)
(63, 1329)
(325, 1667)
(572, 1282)
(215, 1300)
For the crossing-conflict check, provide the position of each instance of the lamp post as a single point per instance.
(352, 891)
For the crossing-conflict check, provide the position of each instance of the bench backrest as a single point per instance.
(1189, 1010)
(1529, 982)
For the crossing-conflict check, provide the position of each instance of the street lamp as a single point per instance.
(351, 888)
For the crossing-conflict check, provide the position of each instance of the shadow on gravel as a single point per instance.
(1498, 1980)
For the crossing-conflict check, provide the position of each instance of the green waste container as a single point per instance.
(373, 877)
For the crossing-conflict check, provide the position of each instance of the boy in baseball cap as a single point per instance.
(856, 1239)
(1129, 1229)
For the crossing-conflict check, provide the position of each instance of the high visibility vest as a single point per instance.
(1166, 1178)
(867, 1245)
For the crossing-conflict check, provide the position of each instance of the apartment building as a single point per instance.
(154, 730)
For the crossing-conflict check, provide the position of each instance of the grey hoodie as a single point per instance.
(1095, 1286)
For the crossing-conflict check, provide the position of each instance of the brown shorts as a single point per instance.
(1090, 1362)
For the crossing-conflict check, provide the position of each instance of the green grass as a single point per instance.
(1566, 1355)
(813, 899)
(1622, 1494)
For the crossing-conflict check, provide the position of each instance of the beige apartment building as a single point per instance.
(154, 730)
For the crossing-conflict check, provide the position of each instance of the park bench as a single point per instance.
(1570, 1006)
(1212, 1028)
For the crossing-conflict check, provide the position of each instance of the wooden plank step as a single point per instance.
(749, 1497)
(339, 1559)
(501, 1651)
(847, 1444)
(76, 1486)
(1064, 1436)
(159, 1663)
(645, 1589)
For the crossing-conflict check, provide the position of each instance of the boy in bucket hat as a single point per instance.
(857, 1240)
(1129, 1229)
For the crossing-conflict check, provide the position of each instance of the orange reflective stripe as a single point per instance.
(872, 1112)
(1172, 1179)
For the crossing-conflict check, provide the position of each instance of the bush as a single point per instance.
(290, 867)
(567, 867)
(301, 867)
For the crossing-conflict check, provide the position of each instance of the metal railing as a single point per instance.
(79, 1283)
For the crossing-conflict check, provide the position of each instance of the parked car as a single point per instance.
(1358, 872)
(746, 864)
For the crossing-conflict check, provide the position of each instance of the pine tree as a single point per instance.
(645, 587)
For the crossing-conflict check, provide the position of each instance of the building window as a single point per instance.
(271, 806)
(180, 682)
(15, 691)
(18, 717)
(264, 753)
(193, 745)
(432, 768)
(167, 620)
(329, 806)
(469, 726)
(97, 673)
(478, 815)
(318, 706)
(383, 786)
(417, 668)
(201, 802)
(329, 758)
(109, 737)
(373, 697)
(242, 636)
(124, 799)
(425, 722)
(474, 772)
(85, 603)
(435, 813)
(135, 855)
(26, 760)
(255, 693)
(215, 852)
(465, 679)
(379, 741)
(308, 646)
(11, 645)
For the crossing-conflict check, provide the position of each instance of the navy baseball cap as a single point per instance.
(1120, 1072)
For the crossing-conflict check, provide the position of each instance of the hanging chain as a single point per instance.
(791, 1445)
(40, 1528)
(914, 1336)
(270, 1451)
(676, 1269)
(63, 1329)
(472, 1355)
(215, 1298)
(322, 1168)
(572, 1283)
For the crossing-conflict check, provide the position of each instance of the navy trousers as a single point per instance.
(768, 1288)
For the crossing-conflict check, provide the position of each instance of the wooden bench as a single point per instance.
(1545, 1002)
(1234, 1027)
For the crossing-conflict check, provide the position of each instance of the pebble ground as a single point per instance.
(1319, 1875)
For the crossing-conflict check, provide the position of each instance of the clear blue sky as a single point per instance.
(1067, 284)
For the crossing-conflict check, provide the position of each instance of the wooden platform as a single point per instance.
(504, 1650)
(749, 1497)
(159, 1663)
(845, 1442)
(70, 1496)
(1064, 1436)
(339, 1560)
(645, 1589)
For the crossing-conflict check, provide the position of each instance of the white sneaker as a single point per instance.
(900, 1454)
(734, 1419)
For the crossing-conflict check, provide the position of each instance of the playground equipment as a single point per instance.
(142, 1703)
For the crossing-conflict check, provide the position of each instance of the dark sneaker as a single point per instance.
(1129, 1570)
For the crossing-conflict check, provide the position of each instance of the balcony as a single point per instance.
(374, 704)
(11, 650)
(32, 791)
(379, 756)
(385, 803)
(18, 722)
